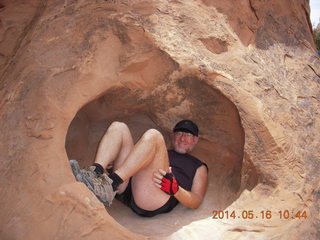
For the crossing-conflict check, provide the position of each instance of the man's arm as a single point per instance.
(193, 198)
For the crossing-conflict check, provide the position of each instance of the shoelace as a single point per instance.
(103, 189)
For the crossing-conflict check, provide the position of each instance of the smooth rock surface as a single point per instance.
(246, 72)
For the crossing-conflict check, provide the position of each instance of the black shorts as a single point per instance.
(127, 198)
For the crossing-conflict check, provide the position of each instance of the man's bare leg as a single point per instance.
(148, 156)
(140, 161)
(114, 148)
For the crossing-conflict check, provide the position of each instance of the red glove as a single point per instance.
(169, 184)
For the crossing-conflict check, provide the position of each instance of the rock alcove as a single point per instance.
(80, 65)
(221, 143)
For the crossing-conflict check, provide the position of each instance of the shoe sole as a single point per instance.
(75, 168)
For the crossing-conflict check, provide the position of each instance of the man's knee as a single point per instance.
(152, 135)
(118, 126)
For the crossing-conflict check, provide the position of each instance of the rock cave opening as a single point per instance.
(220, 147)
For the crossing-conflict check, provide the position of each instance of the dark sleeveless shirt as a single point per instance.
(184, 167)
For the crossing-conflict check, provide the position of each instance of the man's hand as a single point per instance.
(166, 181)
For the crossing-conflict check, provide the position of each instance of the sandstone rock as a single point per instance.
(246, 72)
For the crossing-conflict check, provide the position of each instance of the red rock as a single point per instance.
(246, 72)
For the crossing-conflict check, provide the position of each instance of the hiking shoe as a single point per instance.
(100, 185)
(102, 188)
(86, 173)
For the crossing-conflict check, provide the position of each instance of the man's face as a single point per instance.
(184, 142)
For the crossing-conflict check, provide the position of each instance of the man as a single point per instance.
(145, 176)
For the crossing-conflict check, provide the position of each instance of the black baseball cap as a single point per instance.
(187, 126)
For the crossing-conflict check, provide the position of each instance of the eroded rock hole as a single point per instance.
(220, 146)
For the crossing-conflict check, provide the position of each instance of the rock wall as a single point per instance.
(247, 72)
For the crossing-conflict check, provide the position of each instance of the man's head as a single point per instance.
(185, 136)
